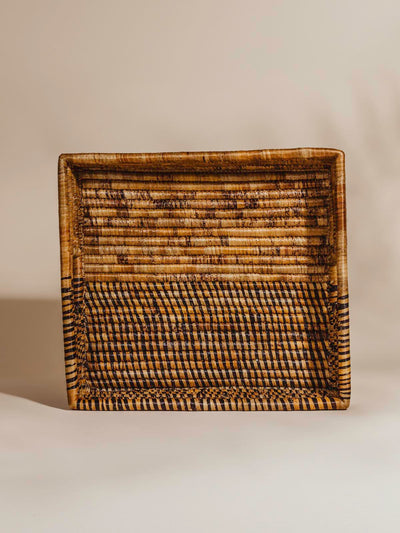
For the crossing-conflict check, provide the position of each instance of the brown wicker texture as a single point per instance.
(205, 281)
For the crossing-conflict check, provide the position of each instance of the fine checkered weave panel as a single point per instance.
(209, 334)
(205, 281)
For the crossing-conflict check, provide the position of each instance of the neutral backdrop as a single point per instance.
(135, 76)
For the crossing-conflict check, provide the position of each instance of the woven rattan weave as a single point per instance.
(205, 280)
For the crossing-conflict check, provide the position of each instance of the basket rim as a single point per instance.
(260, 157)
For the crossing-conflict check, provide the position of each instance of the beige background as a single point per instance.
(82, 76)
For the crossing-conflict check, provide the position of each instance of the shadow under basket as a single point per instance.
(205, 280)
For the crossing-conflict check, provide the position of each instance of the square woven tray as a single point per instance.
(205, 280)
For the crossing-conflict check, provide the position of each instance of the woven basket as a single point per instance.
(205, 281)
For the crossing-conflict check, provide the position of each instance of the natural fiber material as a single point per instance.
(205, 281)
